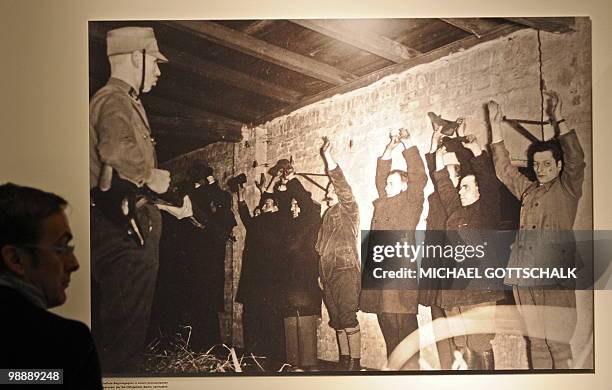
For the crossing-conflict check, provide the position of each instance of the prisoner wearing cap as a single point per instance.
(126, 40)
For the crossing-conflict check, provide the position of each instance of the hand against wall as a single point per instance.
(496, 118)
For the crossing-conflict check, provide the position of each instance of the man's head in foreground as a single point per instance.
(35, 241)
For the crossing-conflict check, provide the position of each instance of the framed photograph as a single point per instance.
(240, 168)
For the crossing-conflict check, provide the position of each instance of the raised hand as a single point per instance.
(495, 112)
(326, 147)
(393, 142)
(472, 144)
(261, 184)
(496, 118)
(435, 139)
(553, 109)
(276, 180)
(404, 136)
(289, 175)
(404, 133)
(553, 104)
(326, 152)
(461, 129)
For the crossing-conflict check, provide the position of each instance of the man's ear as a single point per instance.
(11, 258)
(560, 165)
(136, 58)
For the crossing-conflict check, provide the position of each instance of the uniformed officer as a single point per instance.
(124, 273)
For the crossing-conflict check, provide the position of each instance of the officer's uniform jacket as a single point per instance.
(119, 134)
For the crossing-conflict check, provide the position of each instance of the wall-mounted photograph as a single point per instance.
(341, 196)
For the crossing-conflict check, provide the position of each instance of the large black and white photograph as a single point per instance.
(245, 174)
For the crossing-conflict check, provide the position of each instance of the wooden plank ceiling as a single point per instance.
(226, 73)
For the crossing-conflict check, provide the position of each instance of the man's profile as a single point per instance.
(37, 261)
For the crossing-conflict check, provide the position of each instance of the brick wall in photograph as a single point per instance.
(358, 123)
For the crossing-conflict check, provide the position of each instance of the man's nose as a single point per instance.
(72, 264)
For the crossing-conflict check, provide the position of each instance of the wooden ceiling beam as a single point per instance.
(159, 105)
(257, 48)
(553, 25)
(474, 26)
(212, 71)
(231, 77)
(257, 26)
(366, 80)
(362, 39)
(206, 130)
(197, 97)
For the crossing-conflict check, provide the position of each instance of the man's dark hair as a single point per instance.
(542, 146)
(22, 210)
(454, 145)
(402, 174)
(463, 175)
